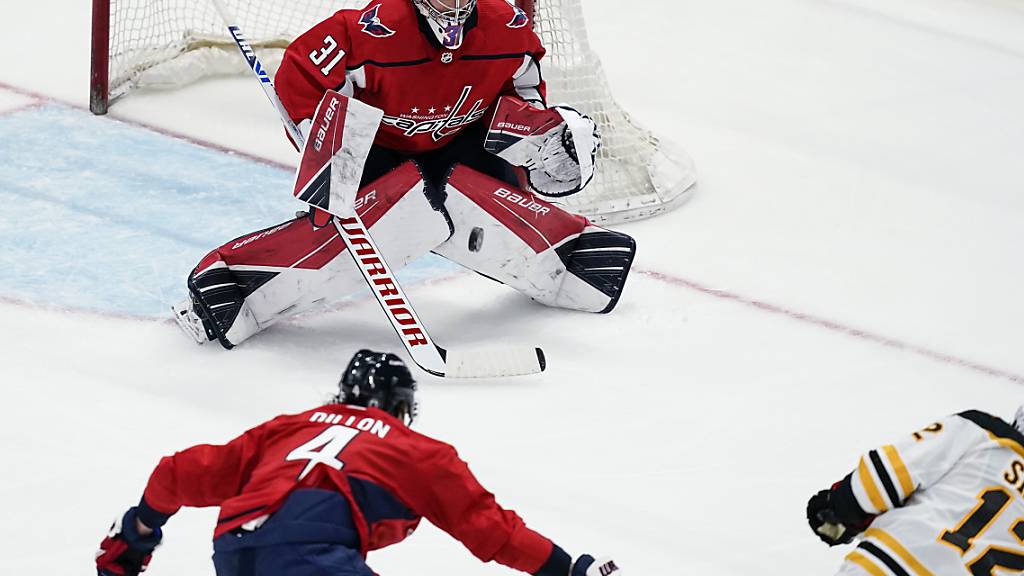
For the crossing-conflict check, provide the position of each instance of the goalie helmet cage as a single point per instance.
(171, 43)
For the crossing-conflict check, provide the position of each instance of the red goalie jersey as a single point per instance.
(385, 55)
(390, 475)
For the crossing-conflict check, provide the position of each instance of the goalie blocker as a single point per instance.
(509, 235)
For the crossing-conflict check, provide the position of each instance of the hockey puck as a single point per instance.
(476, 239)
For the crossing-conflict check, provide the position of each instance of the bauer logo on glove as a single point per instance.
(556, 145)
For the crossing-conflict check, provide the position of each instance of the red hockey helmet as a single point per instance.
(447, 19)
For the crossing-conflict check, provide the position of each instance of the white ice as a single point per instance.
(849, 270)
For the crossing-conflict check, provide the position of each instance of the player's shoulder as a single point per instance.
(427, 448)
(503, 12)
(995, 428)
(382, 31)
(505, 19)
(380, 19)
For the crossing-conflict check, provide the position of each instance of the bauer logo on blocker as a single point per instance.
(321, 132)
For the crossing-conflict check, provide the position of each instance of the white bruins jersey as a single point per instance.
(949, 499)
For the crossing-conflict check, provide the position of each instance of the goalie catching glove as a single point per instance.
(556, 145)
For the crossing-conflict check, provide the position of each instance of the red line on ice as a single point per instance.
(42, 98)
(833, 326)
(35, 99)
(668, 278)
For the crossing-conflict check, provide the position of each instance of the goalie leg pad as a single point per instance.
(555, 257)
(601, 259)
(258, 279)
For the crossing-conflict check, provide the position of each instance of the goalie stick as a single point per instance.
(477, 363)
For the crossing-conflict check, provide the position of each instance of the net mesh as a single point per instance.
(170, 43)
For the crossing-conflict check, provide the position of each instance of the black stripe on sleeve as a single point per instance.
(884, 558)
(996, 426)
(883, 475)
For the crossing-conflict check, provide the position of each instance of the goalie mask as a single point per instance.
(379, 380)
(446, 19)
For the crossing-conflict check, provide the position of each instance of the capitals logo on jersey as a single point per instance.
(519, 19)
(438, 124)
(372, 25)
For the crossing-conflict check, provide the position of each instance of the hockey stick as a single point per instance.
(377, 273)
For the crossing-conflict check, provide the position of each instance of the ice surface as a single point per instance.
(72, 214)
(849, 269)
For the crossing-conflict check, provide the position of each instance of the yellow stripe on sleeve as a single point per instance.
(862, 561)
(869, 486)
(900, 468)
(894, 545)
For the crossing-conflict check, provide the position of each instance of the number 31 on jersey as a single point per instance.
(317, 57)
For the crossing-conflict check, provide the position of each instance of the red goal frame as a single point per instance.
(99, 79)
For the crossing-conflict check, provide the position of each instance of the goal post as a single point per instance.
(161, 44)
(100, 57)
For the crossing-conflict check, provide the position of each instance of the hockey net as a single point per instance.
(166, 44)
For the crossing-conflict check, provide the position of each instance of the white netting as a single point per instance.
(170, 43)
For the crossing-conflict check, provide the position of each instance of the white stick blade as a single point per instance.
(494, 362)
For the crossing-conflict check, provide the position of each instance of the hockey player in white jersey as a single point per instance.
(947, 499)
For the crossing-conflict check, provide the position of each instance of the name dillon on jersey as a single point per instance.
(365, 424)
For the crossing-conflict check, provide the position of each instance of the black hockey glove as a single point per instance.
(835, 515)
(824, 522)
(125, 552)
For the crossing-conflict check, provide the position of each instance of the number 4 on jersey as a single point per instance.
(323, 449)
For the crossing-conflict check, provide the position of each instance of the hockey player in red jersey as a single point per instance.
(947, 499)
(312, 493)
(464, 109)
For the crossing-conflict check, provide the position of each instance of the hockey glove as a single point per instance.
(585, 565)
(125, 552)
(835, 515)
(567, 157)
(830, 522)
(823, 521)
(557, 145)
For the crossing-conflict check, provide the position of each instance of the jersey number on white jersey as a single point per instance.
(992, 502)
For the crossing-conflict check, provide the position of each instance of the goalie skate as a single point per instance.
(190, 322)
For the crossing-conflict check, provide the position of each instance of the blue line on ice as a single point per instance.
(110, 217)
